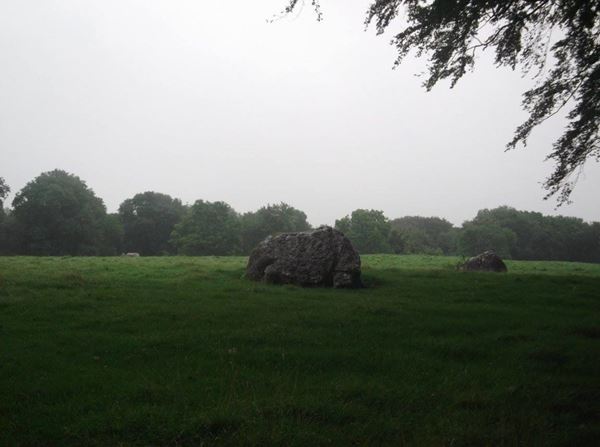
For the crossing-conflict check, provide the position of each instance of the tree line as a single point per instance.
(57, 214)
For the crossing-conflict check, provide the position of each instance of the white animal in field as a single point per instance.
(131, 255)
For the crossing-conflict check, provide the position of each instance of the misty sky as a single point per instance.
(206, 100)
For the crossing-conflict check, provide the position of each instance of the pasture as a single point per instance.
(180, 351)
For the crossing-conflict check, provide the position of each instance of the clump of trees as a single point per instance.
(271, 219)
(208, 228)
(58, 214)
(369, 230)
(513, 234)
(423, 235)
(148, 219)
(529, 235)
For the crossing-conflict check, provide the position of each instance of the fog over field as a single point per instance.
(208, 100)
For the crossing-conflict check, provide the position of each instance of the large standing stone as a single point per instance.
(322, 257)
(488, 261)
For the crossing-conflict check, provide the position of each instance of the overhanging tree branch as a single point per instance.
(451, 32)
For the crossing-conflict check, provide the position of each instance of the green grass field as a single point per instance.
(185, 352)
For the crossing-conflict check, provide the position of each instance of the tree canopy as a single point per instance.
(416, 234)
(148, 219)
(475, 239)
(557, 41)
(208, 228)
(530, 235)
(270, 220)
(57, 214)
(369, 230)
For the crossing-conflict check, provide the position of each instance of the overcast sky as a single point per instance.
(206, 100)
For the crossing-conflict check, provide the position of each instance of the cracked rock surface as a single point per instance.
(488, 261)
(322, 257)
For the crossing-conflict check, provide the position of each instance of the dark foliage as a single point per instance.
(112, 235)
(148, 220)
(208, 228)
(9, 235)
(530, 236)
(57, 214)
(270, 220)
(475, 239)
(558, 41)
(369, 231)
(424, 235)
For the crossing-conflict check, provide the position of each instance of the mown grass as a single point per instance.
(185, 352)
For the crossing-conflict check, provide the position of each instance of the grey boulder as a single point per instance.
(488, 261)
(322, 257)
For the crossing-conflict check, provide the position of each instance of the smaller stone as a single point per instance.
(488, 261)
